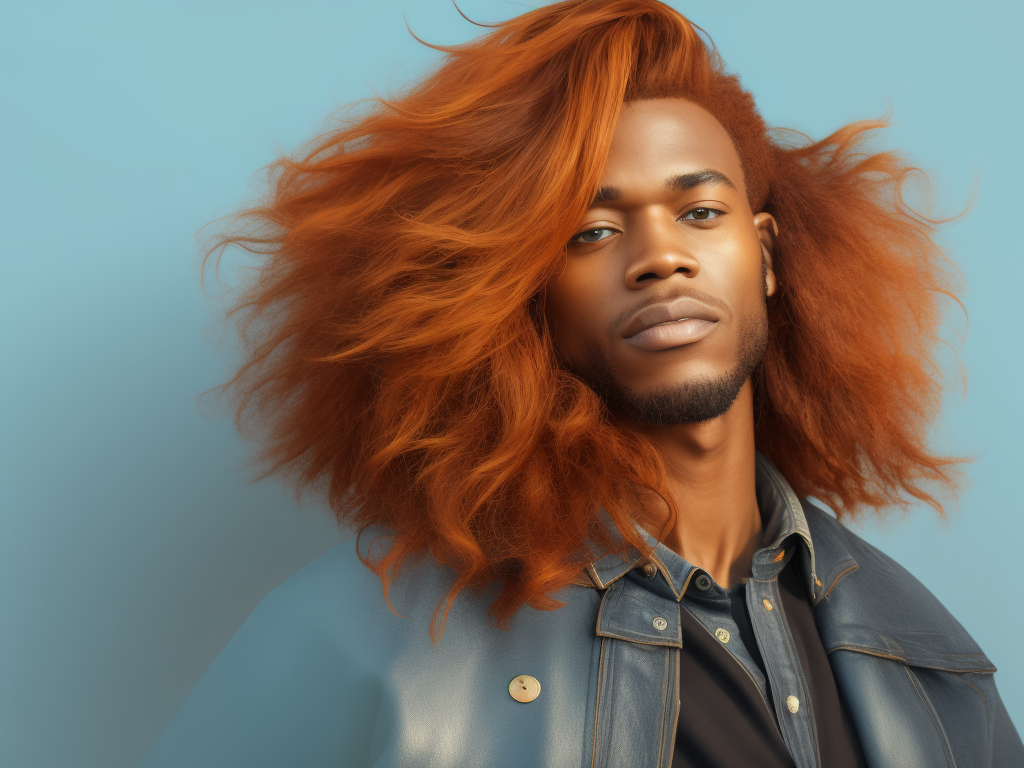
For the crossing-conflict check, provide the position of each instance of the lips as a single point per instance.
(670, 312)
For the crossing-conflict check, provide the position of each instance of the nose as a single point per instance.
(660, 250)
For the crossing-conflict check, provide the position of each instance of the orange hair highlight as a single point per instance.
(398, 359)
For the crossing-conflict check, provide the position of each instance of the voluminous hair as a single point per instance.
(397, 356)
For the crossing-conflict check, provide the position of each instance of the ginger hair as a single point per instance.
(397, 359)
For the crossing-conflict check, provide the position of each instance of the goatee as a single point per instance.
(690, 402)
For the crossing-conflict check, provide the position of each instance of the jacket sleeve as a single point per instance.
(280, 692)
(1007, 749)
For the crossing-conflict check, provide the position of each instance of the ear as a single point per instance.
(767, 232)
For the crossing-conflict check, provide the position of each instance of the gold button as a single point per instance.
(722, 634)
(660, 623)
(793, 704)
(767, 603)
(650, 571)
(524, 688)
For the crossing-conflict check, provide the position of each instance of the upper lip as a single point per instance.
(668, 311)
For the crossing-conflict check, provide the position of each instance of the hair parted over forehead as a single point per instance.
(397, 356)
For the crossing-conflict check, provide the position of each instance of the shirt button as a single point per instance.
(660, 624)
(767, 604)
(650, 571)
(703, 582)
(722, 634)
(793, 704)
(524, 688)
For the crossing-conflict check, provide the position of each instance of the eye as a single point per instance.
(590, 235)
(703, 214)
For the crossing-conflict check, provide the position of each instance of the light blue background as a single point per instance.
(131, 547)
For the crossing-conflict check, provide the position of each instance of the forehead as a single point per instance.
(655, 137)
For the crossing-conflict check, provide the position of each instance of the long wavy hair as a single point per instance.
(397, 356)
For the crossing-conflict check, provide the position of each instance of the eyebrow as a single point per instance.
(680, 183)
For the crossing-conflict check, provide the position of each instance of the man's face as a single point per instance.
(672, 236)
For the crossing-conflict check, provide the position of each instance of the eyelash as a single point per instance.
(576, 238)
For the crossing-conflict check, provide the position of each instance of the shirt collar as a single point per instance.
(783, 519)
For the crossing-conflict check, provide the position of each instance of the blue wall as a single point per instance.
(131, 545)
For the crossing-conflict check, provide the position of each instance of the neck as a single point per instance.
(710, 468)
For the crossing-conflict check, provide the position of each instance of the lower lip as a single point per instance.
(674, 334)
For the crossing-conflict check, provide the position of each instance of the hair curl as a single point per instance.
(397, 357)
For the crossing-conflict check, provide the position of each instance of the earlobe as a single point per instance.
(771, 283)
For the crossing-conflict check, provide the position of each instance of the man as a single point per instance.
(565, 327)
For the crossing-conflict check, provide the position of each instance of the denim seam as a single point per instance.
(836, 579)
(867, 650)
(664, 695)
(936, 721)
(982, 695)
(597, 703)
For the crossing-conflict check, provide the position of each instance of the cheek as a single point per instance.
(740, 280)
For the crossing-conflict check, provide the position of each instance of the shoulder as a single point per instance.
(338, 585)
(904, 659)
(869, 602)
(300, 682)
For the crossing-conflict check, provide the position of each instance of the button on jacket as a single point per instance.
(323, 673)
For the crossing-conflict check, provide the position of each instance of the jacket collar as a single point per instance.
(869, 604)
(863, 601)
(784, 520)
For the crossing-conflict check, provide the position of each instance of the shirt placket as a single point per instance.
(787, 682)
(717, 620)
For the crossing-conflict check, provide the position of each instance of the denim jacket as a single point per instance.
(324, 673)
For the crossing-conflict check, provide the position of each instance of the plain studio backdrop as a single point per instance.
(132, 546)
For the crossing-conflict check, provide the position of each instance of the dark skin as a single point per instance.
(689, 391)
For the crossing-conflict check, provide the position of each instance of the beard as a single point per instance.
(690, 402)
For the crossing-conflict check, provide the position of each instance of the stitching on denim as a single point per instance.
(836, 579)
(597, 702)
(661, 725)
(934, 715)
(982, 695)
(869, 651)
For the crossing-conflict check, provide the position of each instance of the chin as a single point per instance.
(696, 401)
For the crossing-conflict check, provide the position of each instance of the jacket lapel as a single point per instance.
(902, 663)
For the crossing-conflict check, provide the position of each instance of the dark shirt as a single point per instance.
(724, 719)
(756, 687)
